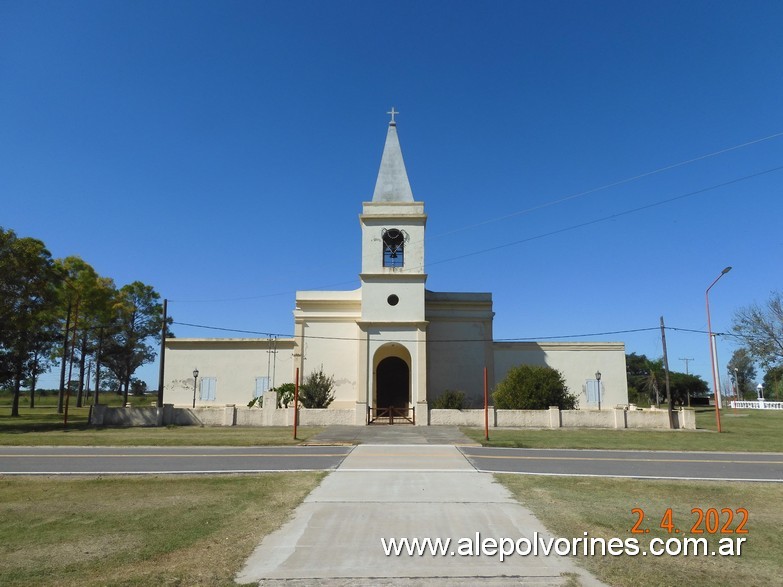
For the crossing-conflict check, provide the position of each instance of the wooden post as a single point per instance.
(486, 406)
(296, 402)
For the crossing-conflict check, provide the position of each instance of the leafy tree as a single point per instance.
(533, 388)
(28, 302)
(773, 383)
(317, 391)
(761, 329)
(87, 301)
(645, 378)
(745, 373)
(684, 386)
(138, 317)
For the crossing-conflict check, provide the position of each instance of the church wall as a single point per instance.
(456, 357)
(233, 363)
(578, 363)
(333, 345)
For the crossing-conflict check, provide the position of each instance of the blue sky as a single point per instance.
(220, 151)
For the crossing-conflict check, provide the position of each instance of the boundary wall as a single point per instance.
(269, 415)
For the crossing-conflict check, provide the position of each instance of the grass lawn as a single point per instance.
(140, 530)
(43, 426)
(742, 431)
(602, 507)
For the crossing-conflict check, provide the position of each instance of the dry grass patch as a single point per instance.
(140, 530)
(570, 506)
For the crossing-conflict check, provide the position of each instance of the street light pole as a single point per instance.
(598, 379)
(195, 379)
(712, 348)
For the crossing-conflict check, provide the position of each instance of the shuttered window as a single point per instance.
(262, 386)
(592, 388)
(207, 389)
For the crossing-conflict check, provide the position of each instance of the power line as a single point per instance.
(609, 217)
(270, 336)
(545, 205)
(610, 185)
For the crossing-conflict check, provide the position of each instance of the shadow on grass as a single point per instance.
(40, 423)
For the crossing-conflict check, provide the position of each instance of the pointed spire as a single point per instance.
(392, 184)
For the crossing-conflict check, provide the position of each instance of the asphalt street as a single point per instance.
(162, 460)
(637, 464)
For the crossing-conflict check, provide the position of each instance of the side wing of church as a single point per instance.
(391, 343)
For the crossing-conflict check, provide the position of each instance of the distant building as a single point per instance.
(391, 342)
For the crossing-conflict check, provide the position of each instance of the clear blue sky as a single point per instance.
(221, 151)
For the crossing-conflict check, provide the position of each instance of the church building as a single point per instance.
(391, 342)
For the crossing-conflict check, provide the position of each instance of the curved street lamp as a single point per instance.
(195, 379)
(712, 347)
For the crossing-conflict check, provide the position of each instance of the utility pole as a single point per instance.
(666, 371)
(162, 370)
(686, 364)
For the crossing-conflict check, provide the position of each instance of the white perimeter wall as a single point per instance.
(578, 362)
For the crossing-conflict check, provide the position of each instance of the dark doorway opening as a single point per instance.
(393, 383)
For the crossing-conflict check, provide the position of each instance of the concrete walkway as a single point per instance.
(396, 434)
(397, 491)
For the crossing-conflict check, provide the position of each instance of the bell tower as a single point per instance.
(393, 226)
(393, 347)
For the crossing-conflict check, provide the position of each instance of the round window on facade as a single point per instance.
(393, 300)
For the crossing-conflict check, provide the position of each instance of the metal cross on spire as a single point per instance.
(392, 112)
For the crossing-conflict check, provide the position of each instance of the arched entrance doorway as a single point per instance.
(393, 387)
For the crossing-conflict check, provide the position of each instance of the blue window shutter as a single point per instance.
(592, 388)
(207, 389)
(262, 386)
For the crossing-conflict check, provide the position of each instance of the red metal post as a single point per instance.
(296, 402)
(486, 406)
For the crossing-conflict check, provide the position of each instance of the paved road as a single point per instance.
(638, 464)
(135, 460)
(158, 460)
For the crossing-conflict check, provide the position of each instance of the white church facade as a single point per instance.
(391, 342)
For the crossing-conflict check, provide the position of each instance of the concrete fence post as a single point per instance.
(554, 417)
(619, 418)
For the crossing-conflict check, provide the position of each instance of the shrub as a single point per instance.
(450, 400)
(285, 394)
(317, 391)
(533, 388)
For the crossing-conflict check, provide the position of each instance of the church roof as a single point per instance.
(392, 184)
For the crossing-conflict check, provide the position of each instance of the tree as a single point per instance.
(761, 330)
(317, 391)
(87, 300)
(533, 388)
(773, 383)
(644, 378)
(28, 303)
(683, 386)
(745, 373)
(138, 316)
